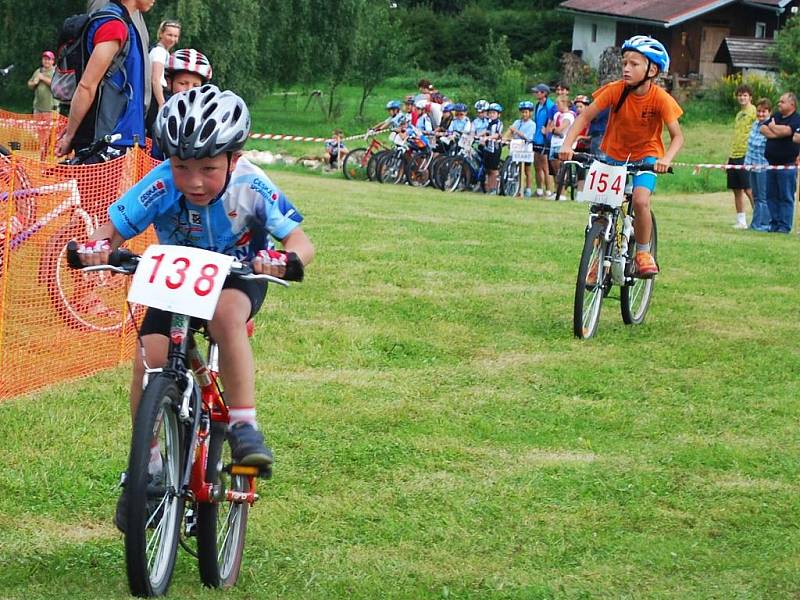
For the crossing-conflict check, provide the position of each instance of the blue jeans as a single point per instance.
(761, 218)
(780, 199)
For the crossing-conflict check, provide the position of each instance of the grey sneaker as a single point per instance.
(155, 494)
(247, 446)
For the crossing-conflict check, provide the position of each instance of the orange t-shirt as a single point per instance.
(636, 128)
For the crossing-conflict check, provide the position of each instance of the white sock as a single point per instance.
(155, 465)
(642, 247)
(741, 218)
(242, 415)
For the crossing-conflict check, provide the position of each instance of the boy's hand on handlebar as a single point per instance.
(286, 265)
(565, 153)
(95, 252)
(662, 165)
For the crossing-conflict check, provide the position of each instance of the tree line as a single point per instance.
(257, 46)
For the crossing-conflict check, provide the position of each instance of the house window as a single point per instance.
(761, 29)
(594, 33)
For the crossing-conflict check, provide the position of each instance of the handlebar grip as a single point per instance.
(73, 258)
(119, 256)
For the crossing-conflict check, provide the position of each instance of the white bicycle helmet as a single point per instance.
(201, 123)
(190, 61)
(482, 105)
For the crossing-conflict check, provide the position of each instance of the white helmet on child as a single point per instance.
(189, 60)
(202, 122)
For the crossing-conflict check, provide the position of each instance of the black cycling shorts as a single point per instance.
(158, 321)
(491, 160)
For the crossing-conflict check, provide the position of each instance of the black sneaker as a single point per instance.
(247, 446)
(155, 494)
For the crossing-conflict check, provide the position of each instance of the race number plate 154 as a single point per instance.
(178, 279)
(604, 184)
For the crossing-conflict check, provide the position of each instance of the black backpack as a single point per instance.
(73, 53)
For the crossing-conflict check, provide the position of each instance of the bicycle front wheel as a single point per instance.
(510, 180)
(221, 526)
(635, 298)
(354, 165)
(590, 285)
(154, 503)
(417, 170)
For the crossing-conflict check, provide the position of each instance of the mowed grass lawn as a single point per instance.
(439, 433)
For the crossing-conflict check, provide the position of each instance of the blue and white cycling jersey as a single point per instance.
(460, 125)
(399, 119)
(221, 226)
(425, 127)
(479, 125)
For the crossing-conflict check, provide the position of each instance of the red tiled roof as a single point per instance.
(669, 12)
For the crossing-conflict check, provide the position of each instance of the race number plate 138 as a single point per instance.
(181, 280)
(604, 184)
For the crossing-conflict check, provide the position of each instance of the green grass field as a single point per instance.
(440, 434)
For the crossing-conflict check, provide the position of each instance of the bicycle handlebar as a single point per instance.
(125, 262)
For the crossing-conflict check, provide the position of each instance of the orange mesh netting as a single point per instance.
(33, 136)
(55, 323)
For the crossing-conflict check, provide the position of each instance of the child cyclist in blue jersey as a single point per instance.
(493, 146)
(207, 195)
(639, 109)
(524, 129)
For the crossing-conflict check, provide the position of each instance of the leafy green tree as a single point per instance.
(379, 46)
(787, 41)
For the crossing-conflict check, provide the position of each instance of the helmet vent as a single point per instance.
(188, 128)
(209, 110)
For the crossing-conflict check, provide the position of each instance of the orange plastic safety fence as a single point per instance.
(57, 323)
(33, 136)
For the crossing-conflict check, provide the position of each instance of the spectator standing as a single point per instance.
(561, 124)
(758, 176)
(144, 40)
(541, 115)
(782, 150)
(169, 33)
(597, 129)
(739, 179)
(43, 101)
(105, 37)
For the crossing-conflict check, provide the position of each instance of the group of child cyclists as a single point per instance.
(205, 193)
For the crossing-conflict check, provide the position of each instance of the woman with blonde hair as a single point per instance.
(169, 33)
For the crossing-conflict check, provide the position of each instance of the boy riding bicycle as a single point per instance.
(207, 195)
(639, 109)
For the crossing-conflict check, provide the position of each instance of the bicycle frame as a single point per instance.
(183, 360)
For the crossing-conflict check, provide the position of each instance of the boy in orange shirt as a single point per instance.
(639, 109)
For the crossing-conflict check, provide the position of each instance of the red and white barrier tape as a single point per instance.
(727, 167)
(299, 138)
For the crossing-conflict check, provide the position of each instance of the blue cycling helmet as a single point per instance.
(526, 105)
(393, 104)
(496, 106)
(448, 107)
(460, 107)
(651, 48)
(481, 105)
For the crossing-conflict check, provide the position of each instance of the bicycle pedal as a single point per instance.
(244, 470)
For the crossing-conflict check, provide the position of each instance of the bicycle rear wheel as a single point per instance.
(635, 298)
(591, 281)
(221, 526)
(455, 174)
(154, 508)
(354, 165)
